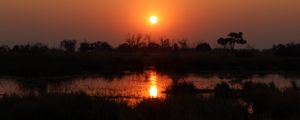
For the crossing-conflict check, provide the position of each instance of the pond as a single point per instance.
(133, 87)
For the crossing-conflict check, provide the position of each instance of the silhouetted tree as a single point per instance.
(183, 44)
(85, 47)
(136, 41)
(38, 47)
(165, 43)
(101, 46)
(175, 47)
(203, 47)
(223, 42)
(4, 48)
(31, 48)
(147, 38)
(17, 48)
(232, 39)
(68, 45)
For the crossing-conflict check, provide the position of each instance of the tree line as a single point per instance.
(137, 42)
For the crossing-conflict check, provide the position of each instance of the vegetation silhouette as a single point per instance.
(204, 47)
(68, 45)
(140, 51)
(232, 39)
(291, 49)
(94, 47)
(255, 101)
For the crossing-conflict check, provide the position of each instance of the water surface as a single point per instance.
(133, 87)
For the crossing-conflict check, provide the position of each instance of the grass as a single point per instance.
(62, 107)
(267, 103)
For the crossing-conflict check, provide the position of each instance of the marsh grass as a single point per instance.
(267, 102)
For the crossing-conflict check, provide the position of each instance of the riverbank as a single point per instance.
(116, 62)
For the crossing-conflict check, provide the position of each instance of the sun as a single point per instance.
(153, 19)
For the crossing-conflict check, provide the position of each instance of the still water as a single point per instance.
(133, 87)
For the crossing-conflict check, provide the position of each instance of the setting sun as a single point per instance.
(153, 19)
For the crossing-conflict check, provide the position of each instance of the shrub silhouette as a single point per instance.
(101, 46)
(290, 49)
(183, 44)
(31, 48)
(182, 107)
(84, 47)
(165, 43)
(124, 47)
(136, 41)
(68, 45)
(93, 47)
(246, 52)
(204, 47)
(4, 48)
(259, 94)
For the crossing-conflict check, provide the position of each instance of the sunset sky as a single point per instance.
(264, 22)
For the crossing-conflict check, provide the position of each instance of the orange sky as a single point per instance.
(265, 22)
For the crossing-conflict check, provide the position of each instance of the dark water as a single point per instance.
(134, 87)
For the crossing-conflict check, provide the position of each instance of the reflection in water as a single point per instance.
(10, 87)
(135, 87)
(153, 88)
(153, 91)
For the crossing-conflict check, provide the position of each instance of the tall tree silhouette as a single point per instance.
(68, 45)
(223, 42)
(232, 39)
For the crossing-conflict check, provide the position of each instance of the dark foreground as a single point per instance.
(114, 62)
(254, 102)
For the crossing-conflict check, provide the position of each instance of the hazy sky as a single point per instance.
(264, 22)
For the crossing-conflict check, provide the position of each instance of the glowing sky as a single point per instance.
(264, 22)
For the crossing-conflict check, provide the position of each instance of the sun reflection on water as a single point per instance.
(153, 87)
(153, 91)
